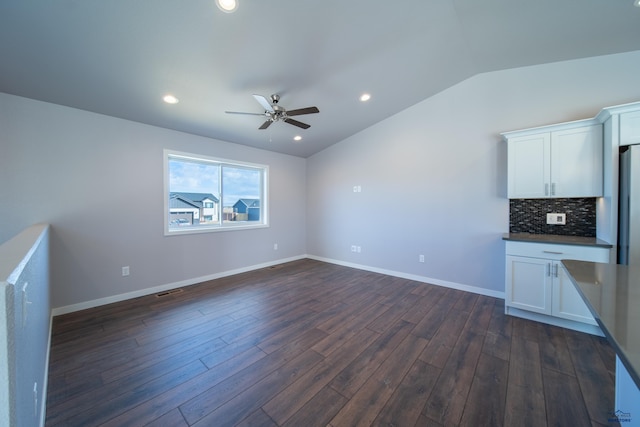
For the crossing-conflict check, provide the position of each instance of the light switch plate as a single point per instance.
(556, 218)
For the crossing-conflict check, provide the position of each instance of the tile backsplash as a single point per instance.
(530, 216)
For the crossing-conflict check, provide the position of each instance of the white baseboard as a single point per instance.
(192, 281)
(555, 321)
(161, 288)
(429, 280)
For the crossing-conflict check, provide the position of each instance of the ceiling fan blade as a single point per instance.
(266, 124)
(301, 111)
(248, 114)
(297, 123)
(264, 102)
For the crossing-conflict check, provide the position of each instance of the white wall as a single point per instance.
(433, 181)
(433, 177)
(98, 181)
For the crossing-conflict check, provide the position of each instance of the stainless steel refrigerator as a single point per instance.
(629, 209)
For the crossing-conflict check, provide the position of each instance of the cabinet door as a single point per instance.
(528, 284)
(576, 162)
(566, 301)
(528, 166)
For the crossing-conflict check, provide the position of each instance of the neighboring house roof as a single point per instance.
(194, 197)
(190, 199)
(179, 202)
(250, 203)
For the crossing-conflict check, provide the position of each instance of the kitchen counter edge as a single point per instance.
(556, 239)
(585, 283)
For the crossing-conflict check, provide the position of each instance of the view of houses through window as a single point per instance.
(205, 194)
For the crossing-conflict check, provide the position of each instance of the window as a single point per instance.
(208, 194)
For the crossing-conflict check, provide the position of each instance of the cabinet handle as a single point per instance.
(552, 252)
(548, 269)
(546, 189)
(553, 188)
(555, 270)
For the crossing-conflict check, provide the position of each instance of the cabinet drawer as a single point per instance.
(558, 252)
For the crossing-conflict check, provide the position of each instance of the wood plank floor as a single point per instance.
(313, 344)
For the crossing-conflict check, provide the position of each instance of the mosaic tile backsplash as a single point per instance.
(530, 216)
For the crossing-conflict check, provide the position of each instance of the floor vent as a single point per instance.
(171, 292)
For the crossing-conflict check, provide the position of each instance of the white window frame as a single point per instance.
(222, 225)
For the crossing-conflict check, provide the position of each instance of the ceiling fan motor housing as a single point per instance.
(279, 111)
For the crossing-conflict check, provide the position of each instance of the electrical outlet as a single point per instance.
(353, 248)
(275, 246)
(358, 249)
(357, 189)
(421, 258)
(125, 271)
(556, 218)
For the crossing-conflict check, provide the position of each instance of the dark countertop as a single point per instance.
(556, 239)
(612, 293)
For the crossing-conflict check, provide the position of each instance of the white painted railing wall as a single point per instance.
(25, 327)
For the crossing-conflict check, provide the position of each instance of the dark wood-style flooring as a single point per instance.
(314, 344)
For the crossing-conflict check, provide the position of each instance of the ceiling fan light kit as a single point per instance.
(276, 113)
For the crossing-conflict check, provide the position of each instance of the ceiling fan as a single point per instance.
(275, 112)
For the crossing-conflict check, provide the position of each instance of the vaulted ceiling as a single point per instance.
(120, 57)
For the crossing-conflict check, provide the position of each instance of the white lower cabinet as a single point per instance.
(528, 284)
(566, 302)
(537, 282)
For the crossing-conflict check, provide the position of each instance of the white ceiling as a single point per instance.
(119, 57)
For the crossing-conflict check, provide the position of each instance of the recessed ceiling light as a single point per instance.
(365, 97)
(636, 3)
(227, 6)
(170, 99)
(297, 138)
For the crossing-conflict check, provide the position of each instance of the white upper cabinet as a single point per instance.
(529, 166)
(576, 162)
(630, 128)
(556, 161)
